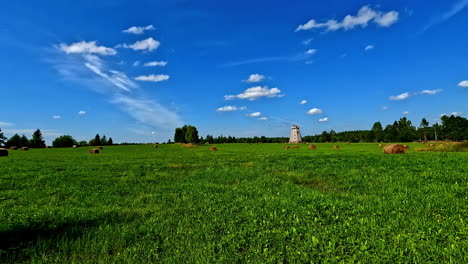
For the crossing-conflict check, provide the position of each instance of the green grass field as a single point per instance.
(241, 204)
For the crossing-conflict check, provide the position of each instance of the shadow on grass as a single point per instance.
(13, 242)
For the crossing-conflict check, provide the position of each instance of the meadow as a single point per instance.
(240, 204)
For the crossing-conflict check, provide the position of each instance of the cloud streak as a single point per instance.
(138, 30)
(455, 9)
(364, 16)
(256, 92)
(399, 97)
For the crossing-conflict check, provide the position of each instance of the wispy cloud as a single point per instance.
(82, 112)
(263, 118)
(362, 19)
(455, 9)
(153, 78)
(255, 93)
(138, 30)
(406, 112)
(256, 114)
(84, 47)
(323, 119)
(148, 44)
(303, 102)
(402, 96)
(56, 117)
(369, 47)
(230, 108)
(5, 124)
(147, 111)
(155, 63)
(310, 51)
(296, 57)
(119, 79)
(307, 41)
(384, 108)
(431, 92)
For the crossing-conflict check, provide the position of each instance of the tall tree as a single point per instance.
(24, 142)
(377, 130)
(424, 125)
(191, 135)
(104, 140)
(179, 136)
(37, 141)
(110, 141)
(14, 141)
(3, 139)
(97, 140)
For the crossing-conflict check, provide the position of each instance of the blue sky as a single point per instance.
(136, 70)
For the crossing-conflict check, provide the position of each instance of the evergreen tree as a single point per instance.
(377, 130)
(3, 139)
(104, 140)
(110, 141)
(24, 142)
(14, 141)
(37, 141)
(97, 141)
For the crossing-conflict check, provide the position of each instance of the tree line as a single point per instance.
(451, 128)
(37, 141)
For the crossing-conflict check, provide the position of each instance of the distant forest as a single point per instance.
(452, 128)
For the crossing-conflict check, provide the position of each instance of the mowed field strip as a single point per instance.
(259, 203)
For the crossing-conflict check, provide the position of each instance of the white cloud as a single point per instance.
(138, 30)
(314, 111)
(369, 47)
(5, 124)
(117, 78)
(311, 51)
(384, 108)
(155, 63)
(242, 108)
(228, 108)
(364, 16)
(255, 93)
(463, 84)
(255, 78)
(307, 41)
(153, 78)
(387, 19)
(456, 113)
(256, 114)
(82, 112)
(84, 47)
(323, 119)
(263, 118)
(303, 102)
(431, 92)
(136, 63)
(56, 117)
(148, 44)
(402, 96)
(406, 112)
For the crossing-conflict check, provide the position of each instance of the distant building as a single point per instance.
(295, 135)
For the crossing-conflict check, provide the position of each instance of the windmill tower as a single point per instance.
(295, 135)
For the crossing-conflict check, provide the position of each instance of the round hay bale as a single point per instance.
(295, 146)
(75, 146)
(3, 152)
(394, 149)
(380, 145)
(24, 148)
(99, 147)
(336, 147)
(155, 145)
(213, 148)
(286, 147)
(406, 146)
(94, 151)
(13, 148)
(312, 147)
(347, 143)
